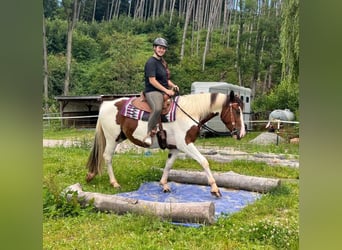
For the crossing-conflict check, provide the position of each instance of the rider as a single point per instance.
(157, 83)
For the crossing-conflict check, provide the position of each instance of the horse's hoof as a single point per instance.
(115, 185)
(90, 176)
(216, 194)
(166, 188)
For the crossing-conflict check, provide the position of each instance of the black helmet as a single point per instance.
(160, 41)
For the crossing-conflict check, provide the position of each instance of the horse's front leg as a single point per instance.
(214, 188)
(193, 152)
(168, 165)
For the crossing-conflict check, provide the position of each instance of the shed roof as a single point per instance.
(92, 97)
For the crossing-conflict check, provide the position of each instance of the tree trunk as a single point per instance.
(238, 46)
(199, 19)
(187, 18)
(226, 12)
(78, 10)
(71, 25)
(111, 10)
(164, 8)
(46, 72)
(188, 212)
(214, 7)
(117, 9)
(172, 9)
(227, 180)
(137, 10)
(230, 21)
(94, 10)
(129, 8)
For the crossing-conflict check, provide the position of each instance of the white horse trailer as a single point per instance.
(223, 87)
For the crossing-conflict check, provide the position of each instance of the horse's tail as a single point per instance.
(95, 159)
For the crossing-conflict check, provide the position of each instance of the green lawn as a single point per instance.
(272, 222)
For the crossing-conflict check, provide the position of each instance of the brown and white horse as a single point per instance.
(191, 112)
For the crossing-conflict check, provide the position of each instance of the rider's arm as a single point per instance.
(157, 85)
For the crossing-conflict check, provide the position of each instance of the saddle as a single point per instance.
(141, 103)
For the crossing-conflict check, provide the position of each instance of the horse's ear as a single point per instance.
(231, 95)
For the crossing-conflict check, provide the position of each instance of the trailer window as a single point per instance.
(247, 99)
(241, 97)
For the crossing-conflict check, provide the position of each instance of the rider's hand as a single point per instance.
(175, 88)
(170, 92)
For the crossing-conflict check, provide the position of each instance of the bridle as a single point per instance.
(232, 105)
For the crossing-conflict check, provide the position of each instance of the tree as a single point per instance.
(187, 18)
(213, 12)
(50, 8)
(46, 73)
(231, 40)
(71, 13)
(289, 40)
(94, 11)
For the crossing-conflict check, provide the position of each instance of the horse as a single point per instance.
(191, 113)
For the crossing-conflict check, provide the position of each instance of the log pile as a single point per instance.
(189, 212)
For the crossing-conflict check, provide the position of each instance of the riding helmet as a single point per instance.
(160, 42)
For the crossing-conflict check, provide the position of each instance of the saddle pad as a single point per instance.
(128, 110)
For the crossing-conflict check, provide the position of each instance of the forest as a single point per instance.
(100, 46)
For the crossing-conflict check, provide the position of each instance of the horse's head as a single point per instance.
(232, 116)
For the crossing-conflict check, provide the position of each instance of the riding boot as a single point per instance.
(148, 139)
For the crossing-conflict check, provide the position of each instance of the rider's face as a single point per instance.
(159, 50)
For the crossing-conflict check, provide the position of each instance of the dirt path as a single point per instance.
(229, 154)
(214, 153)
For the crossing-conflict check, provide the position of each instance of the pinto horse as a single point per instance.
(191, 112)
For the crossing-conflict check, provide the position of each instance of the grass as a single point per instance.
(269, 223)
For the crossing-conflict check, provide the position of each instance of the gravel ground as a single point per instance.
(215, 153)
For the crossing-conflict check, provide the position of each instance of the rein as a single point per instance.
(204, 125)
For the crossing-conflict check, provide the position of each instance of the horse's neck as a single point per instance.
(200, 105)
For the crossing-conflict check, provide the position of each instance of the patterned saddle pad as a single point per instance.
(128, 110)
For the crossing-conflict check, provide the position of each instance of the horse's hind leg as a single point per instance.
(168, 165)
(111, 145)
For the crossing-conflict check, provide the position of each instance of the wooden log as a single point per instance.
(227, 180)
(189, 212)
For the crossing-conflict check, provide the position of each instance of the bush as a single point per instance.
(56, 68)
(284, 96)
(84, 47)
(56, 35)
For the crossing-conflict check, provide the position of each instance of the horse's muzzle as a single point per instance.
(236, 134)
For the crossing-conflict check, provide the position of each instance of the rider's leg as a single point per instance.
(155, 100)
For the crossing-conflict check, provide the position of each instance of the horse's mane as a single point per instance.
(201, 103)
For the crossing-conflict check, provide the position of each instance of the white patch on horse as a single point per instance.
(242, 130)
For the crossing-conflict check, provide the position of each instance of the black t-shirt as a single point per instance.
(154, 67)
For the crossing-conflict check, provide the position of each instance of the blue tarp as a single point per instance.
(231, 201)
